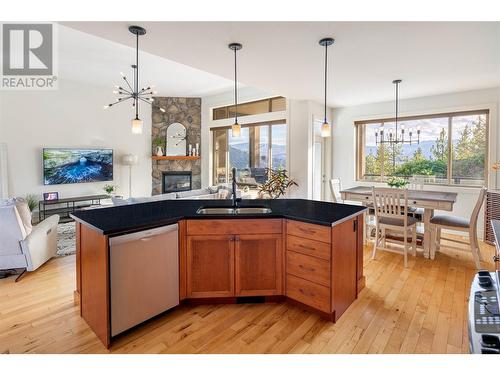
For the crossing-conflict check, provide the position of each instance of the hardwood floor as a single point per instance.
(421, 309)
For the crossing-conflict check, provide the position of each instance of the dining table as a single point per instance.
(427, 199)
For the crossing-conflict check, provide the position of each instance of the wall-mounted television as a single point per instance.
(75, 165)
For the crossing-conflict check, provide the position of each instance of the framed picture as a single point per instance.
(51, 196)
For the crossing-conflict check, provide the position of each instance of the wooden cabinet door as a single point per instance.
(210, 266)
(259, 265)
(344, 263)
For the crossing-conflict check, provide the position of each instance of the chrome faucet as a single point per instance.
(234, 200)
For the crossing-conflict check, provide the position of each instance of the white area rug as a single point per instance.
(66, 239)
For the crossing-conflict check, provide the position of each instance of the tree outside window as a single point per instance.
(452, 149)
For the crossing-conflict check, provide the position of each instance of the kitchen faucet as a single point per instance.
(235, 200)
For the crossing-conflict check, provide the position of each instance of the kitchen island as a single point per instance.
(305, 252)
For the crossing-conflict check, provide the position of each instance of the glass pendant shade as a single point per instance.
(236, 129)
(325, 130)
(137, 126)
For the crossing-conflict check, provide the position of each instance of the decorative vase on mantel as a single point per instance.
(159, 151)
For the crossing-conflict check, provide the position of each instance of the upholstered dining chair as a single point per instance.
(391, 214)
(456, 223)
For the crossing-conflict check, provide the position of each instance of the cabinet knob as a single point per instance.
(496, 258)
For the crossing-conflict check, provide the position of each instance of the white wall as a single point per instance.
(71, 116)
(344, 138)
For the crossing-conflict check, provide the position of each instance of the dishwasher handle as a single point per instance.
(145, 235)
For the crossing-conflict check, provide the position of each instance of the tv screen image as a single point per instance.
(69, 166)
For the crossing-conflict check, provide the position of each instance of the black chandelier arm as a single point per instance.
(146, 101)
(145, 93)
(120, 100)
(128, 84)
(124, 90)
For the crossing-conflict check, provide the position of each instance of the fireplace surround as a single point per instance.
(173, 181)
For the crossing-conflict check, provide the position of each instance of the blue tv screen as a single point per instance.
(74, 165)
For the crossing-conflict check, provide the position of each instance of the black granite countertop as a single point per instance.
(129, 218)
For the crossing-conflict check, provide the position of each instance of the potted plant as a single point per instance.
(159, 143)
(277, 184)
(110, 189)
(32, 202)
(397, 182)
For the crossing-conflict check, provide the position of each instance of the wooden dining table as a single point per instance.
(426, 199)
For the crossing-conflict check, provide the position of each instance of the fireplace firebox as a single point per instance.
(176, 181)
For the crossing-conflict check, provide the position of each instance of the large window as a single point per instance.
(250, 108)
(453, 149)
(258, 147)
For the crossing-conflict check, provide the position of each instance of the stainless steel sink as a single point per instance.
(232, 211)
(215, 211)
(253, 210)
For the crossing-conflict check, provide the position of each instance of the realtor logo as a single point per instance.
(28, 56)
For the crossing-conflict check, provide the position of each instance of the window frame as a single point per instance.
(227, 114)
(360, 143)
(249, 125)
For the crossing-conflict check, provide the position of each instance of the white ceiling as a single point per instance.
(96, 61)
(285, 58)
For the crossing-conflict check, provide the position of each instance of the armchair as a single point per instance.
(20, 249)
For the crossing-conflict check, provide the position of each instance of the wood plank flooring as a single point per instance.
(420, 309)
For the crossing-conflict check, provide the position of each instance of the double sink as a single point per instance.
(233, 211)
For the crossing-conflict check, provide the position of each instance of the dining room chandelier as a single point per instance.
(130, 90)
(394, 137)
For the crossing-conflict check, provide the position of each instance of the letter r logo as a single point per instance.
(27, 49)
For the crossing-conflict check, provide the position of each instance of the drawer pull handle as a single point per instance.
(306, 247)
(306, 268)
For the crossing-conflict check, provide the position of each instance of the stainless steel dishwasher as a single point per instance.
(144, 276)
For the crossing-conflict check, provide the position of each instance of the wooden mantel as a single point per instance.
(154, 157)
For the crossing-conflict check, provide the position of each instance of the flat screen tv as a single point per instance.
(75, 165)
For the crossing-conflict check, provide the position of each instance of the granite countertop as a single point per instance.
(129, 218)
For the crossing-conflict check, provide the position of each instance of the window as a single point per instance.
(453, 149)
(258, 147)
(250, 108)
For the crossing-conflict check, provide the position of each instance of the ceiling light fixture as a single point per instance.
(393, 137)
(236, 128)
(131, 91)
(325, 127)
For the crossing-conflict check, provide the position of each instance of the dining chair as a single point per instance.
(335, 188)
(456, 223)
(391, 213)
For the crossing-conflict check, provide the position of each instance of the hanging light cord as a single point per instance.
(136, 85)
(397, 108)
(235, 90)
(326, 63)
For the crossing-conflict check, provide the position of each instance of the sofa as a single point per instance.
(23, 246)
(212, 192)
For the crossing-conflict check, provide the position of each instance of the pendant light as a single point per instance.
(325, 127)
(236, 128)
(131, 91)
(398, 136)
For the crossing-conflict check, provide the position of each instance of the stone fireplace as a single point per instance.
(186, 111)
(174, 181)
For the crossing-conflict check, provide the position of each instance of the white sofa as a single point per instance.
(213, 192)
(21, 245)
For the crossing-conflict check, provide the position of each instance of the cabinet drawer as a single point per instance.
(309, 268)
(310, 231)
(234, 226)
(308, 247)
(308, 293)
